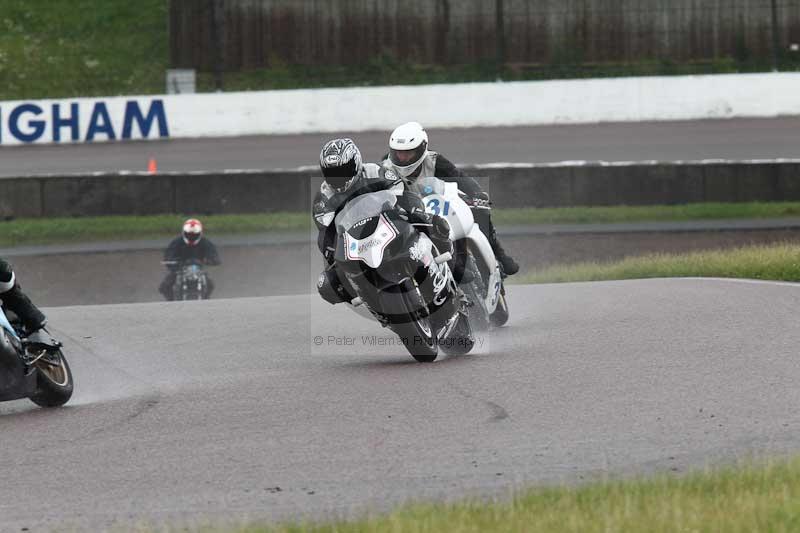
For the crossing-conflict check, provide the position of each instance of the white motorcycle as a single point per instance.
(483, 275)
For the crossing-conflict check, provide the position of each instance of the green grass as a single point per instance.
(620, 214)
(748, 498)
(780, 262)
(66, 230)
(51, 48)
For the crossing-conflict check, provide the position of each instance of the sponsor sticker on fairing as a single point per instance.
(370, 249)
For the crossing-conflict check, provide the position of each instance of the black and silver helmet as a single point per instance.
(340, 161)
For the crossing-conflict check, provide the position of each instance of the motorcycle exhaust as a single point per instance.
(443, 258)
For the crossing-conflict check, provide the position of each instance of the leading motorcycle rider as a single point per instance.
(15, 300)
(410, 158)
(346, 177)
(188, 246)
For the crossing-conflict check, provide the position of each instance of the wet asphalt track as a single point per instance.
(226, 410)
(665, 141)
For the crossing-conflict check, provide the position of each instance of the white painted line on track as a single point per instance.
(745, 281)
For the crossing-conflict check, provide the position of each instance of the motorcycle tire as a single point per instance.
(54, 381)
(416, 334)
(461, 340)
(500, 315)
(476, 293)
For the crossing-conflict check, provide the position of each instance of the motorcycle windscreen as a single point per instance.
(430, 185)
(364, 207)
(370, 249)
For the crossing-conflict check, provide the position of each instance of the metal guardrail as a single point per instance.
(545, 185)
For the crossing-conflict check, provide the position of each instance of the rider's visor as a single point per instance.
(191, 237)
(405, 158)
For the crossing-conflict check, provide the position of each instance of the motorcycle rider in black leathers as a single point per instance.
(410, 158)
(346, 177)
(189, 246)
(17, 301)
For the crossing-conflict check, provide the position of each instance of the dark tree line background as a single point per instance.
(237, 35)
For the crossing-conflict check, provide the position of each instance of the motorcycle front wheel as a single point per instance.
(416, 334)
(500, 315)
(54, 380)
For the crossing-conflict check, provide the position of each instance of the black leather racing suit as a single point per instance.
(203, 252)
(17, 301)
(328, 202)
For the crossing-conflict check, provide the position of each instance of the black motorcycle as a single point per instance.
(397, 273)
(191, 281)
(32, 365)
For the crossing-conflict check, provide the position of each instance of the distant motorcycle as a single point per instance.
(191, 281)
(32, 366)
(483, 277)
(400, 277)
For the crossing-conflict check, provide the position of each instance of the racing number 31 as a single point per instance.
(433, 206)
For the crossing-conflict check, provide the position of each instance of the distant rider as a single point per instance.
(15, 300)
(346, 177)
(189, 246)
(410, 158)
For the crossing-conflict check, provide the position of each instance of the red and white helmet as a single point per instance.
(192, 231)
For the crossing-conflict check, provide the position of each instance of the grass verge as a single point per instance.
(750, 497)
(84, 229)
(622, 214)
(780, 262)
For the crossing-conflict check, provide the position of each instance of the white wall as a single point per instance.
(461, 105)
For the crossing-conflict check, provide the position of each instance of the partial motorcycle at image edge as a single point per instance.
(398, 277)
(32, 365)
(191, 280)
(479, 272)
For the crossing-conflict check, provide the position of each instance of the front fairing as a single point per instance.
(6, 325)
(365, 228)
(396, 261)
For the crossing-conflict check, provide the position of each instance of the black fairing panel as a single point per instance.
(365, 228)
(15, 381)
(41, 337)
(381, 288)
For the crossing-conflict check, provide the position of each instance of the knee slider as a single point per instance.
(331, 289)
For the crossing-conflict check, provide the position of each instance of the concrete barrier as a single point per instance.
(464, 105)
(549, 185)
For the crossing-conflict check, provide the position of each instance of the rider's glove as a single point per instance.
(480, 200)
(441, 228)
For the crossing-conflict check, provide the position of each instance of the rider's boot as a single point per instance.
(510, 267)
(484, 219)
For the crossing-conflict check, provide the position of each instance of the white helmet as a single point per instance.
(408, 146)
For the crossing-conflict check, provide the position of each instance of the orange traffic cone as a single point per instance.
(152, 166)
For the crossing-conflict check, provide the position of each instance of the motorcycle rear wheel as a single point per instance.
(461, 341)
(54, 381)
